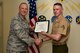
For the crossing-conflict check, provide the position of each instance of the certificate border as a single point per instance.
(43, 21)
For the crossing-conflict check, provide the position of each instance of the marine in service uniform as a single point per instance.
(60, 31)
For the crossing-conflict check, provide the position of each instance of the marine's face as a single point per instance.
(23, 9)
(57, 10)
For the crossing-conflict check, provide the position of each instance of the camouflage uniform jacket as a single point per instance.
(19, 38)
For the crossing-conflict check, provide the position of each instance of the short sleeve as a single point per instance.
(63, 28)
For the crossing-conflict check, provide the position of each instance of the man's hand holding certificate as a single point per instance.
(42, 26)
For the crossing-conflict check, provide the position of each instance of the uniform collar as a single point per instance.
(59, 18)
(21, 16)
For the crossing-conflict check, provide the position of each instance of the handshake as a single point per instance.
(39, 41)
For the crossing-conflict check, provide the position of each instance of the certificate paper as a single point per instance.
(42, 26)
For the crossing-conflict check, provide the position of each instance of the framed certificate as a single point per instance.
(42, 26)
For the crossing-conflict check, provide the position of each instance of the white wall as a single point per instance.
(44, 7)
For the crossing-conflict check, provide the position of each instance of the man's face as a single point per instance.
(23, 9)
(57, 10)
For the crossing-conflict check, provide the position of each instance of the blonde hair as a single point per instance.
(23, 3)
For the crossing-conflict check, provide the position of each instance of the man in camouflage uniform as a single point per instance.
(19, 39)
(60, 31)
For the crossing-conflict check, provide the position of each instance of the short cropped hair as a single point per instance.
(58, 4)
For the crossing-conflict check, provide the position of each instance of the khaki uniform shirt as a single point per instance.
(60, 26)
